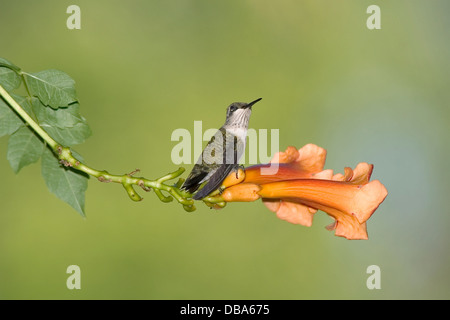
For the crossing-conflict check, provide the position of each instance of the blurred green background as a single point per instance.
(145, 68)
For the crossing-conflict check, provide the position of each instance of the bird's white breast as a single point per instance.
(241, 133)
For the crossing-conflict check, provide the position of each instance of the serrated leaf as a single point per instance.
(9, 79)
(24, 148)
(66, 183)
(63, 117)
(9, 63)
(10, 120)
(54, 88)
(65, 125)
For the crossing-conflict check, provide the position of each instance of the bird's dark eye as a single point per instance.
(233, 108)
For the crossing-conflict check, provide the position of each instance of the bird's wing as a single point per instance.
(234, 149)
(214, 181)
(195, 179)
(223, 144)
(205, 165)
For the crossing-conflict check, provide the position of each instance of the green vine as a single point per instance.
(51, 103)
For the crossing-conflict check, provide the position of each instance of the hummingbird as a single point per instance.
(222, 153)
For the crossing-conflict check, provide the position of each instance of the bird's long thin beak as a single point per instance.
(249, 105)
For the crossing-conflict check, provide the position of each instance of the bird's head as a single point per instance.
(238, 113)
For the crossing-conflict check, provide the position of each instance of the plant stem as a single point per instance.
(24, 115)
(66, 158)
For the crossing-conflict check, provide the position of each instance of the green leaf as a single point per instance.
(9, 64)
(9, 78)
(24, 148)
(65, 125)
(54, 88)
(66, 183)
(9, 120)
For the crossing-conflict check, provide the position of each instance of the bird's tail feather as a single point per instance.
(193, 182)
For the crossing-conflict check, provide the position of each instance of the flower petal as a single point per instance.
(299, 187)
(284, 171)
(349, 204)
(345, 225)
(367, 200)
(243, 192)
(290, 155)
(291, 164)
(233, 178)
(311, 158)
(362, 172)
(292, 212)
(358, 200)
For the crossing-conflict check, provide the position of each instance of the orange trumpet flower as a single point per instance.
(300, 187)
